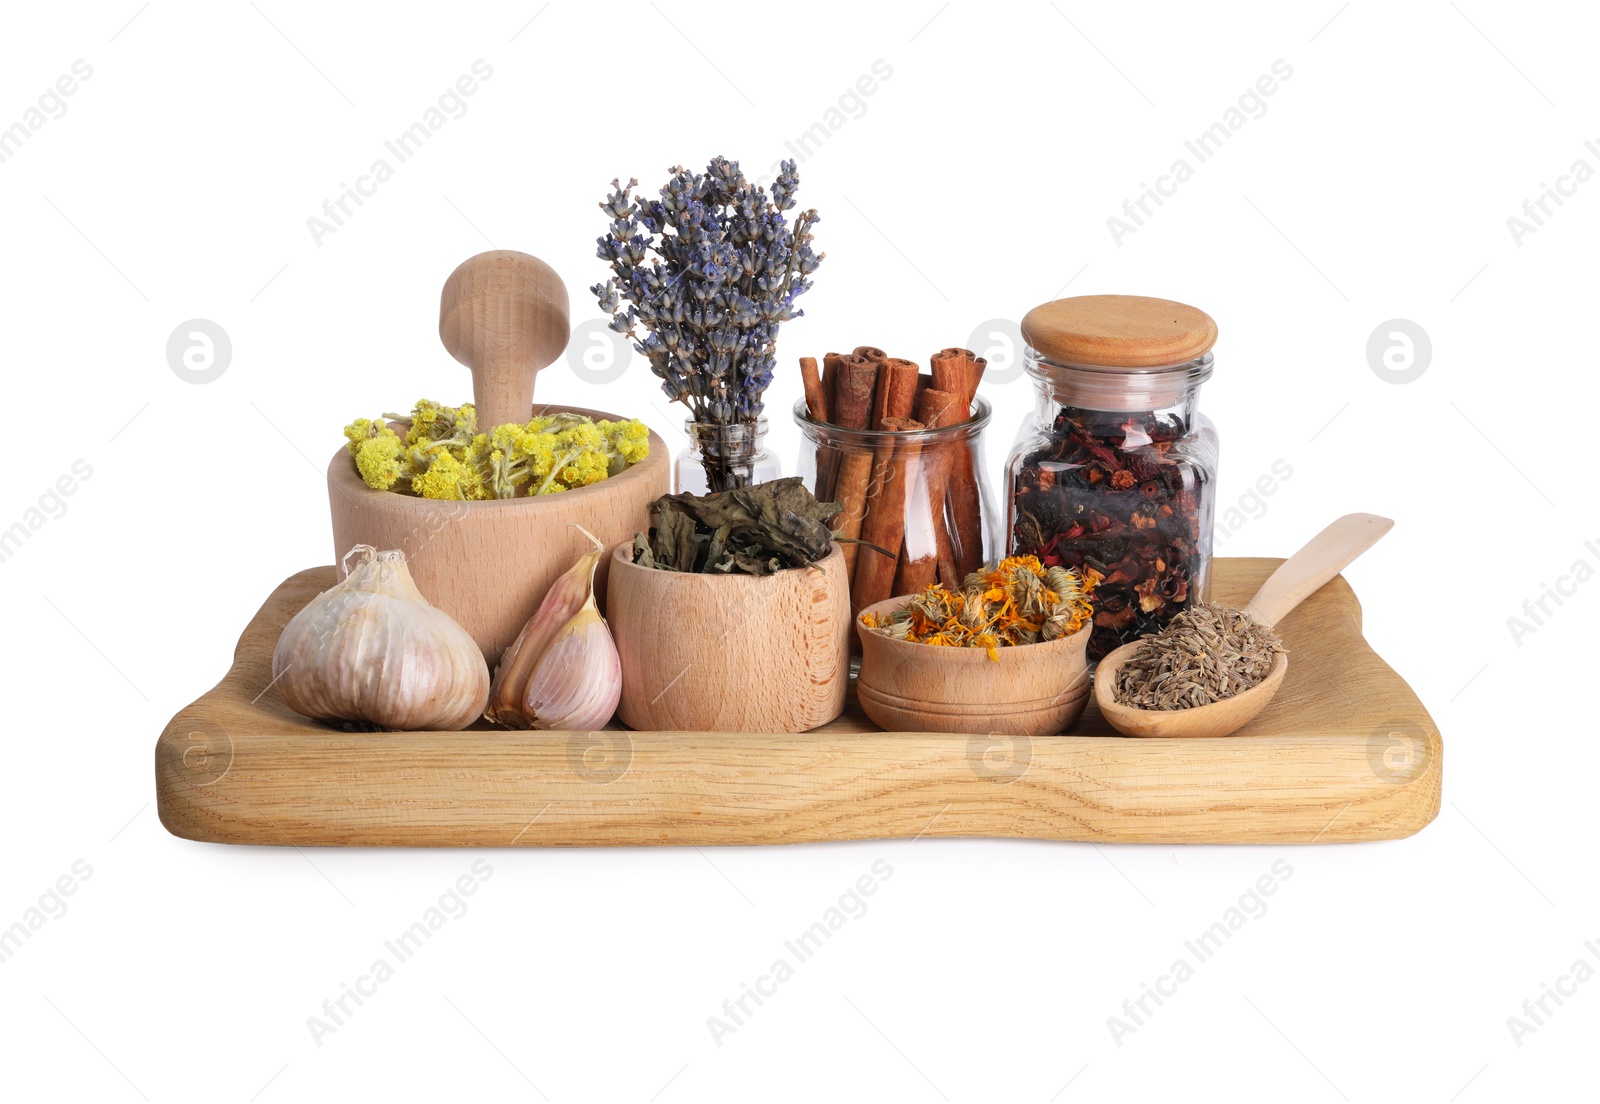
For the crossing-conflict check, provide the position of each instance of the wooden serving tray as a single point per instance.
(1345, 752)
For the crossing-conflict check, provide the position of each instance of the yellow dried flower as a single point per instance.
(442, 454)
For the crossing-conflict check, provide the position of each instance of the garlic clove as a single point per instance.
(372, 649)
(578, 681)
(560, 604)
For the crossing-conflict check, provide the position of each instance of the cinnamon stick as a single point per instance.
(959, 371)
(855, 387)
(949, 369)
(830, 381)
(927, 553)
(897, 391)
(818, 405)
(969, 508)
(884, 525)
(876, 356)
(816, 398)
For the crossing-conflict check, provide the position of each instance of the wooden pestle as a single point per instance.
(505, 316)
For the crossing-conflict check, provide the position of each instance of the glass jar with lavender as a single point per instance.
(1115, 472)
(722, 457)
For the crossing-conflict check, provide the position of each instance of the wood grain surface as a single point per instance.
(1345, 752)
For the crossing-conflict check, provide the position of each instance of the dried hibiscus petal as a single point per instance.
(1115, 620)
(1124, 498)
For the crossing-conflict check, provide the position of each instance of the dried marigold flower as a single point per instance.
(1015, 602)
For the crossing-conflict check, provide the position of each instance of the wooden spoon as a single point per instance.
(1297, 578)
(504, 315)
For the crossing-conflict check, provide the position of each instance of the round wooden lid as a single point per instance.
(1119, 331)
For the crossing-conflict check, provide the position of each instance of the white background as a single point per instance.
(976, 182)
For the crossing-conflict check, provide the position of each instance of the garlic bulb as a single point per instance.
(372, 649)
(563, 671)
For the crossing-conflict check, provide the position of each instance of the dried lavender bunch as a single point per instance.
(708, 272)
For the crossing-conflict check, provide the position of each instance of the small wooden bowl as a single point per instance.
(731, 653)
(488, 564)
(1032, 690)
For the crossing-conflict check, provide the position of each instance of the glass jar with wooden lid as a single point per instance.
(1114, 473)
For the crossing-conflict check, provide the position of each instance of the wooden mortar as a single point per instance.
(488, 564)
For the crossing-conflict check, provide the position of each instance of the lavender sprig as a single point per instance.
(708, 272)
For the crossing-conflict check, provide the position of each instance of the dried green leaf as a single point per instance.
(750, 530)
(641, 551)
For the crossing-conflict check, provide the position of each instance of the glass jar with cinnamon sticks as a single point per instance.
(1115, 473)
(902, 451)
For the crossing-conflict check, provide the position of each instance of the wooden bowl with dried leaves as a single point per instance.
(1027, 690)
(731, 653)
